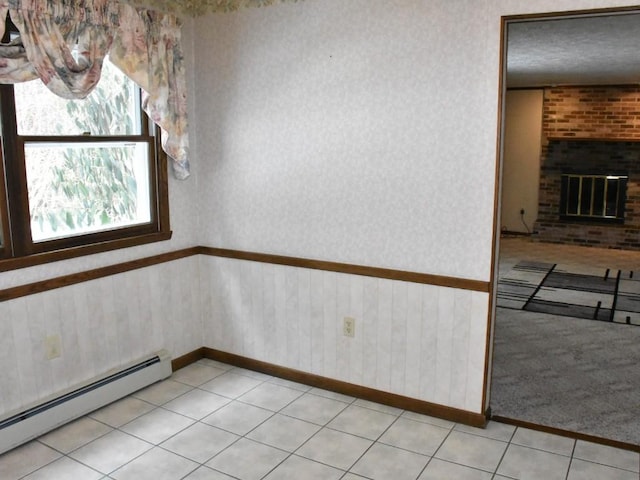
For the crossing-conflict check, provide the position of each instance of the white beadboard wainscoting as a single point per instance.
(103, 324)
(420, 341)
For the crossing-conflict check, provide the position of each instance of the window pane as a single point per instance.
(573, 195)
(585, 196)
(111, 109)
(77, 188)
(598, 197)
(612, 197)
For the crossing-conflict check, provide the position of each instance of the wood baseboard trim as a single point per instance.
(365, 393)
(567, 433)
(187, 359)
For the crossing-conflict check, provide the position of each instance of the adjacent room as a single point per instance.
(567, 318)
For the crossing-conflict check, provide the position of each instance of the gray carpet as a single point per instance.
(573, 374)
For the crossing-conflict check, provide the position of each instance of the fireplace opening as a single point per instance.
(593, 197)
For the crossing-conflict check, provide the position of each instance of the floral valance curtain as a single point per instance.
(200, 7)
(144, 44)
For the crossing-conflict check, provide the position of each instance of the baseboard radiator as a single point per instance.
(28, 424)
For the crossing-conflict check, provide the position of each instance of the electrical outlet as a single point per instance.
(349, 327)
(52, 346)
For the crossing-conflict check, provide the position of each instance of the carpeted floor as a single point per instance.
(574, 374)
(609, 295)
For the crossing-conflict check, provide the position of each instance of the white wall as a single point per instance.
(346, 131)
(521, 159)
(361, 132)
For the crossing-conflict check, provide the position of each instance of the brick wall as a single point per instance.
(586, 129)
(593, 112)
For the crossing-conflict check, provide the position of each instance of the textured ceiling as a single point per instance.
(596, 50)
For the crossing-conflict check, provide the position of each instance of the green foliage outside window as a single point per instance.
(81, 187)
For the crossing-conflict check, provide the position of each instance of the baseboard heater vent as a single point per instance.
(28, 424)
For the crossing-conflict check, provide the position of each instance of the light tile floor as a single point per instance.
(211, 421)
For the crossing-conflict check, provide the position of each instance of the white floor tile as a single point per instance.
(75, 434)
(156, 426)
(415, 436)
(270, 396)
(544, 441)
(363, 422)
(288, 383)
(122, 411)
(315, 409)
(196, 404)
(156, 464)
(439, 422)
(378, 407)
(111, 451)
(494, 430)
(237, 417)
(196, 374)
(333, 395)
(64, 468)
(440, 470)
(338, 449)
(162, 392)
(200, 442)
(206, 473)
(234, 460)
(613, 457)
(295, 468)
(283, 432)
(528, 463)
(581, 470)
(231, 385)
(177, 430)
(25, 459)
(471, 450)
(251, 373)
(382, 462)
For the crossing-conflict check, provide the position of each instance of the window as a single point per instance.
(593, 197)
(80, 176)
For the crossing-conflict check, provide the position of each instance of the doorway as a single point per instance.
(554, 368)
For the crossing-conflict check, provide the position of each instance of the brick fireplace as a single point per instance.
(590, 131)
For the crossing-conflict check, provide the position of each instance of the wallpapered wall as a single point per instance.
(103, 324)
(351, 131)
(361, 132)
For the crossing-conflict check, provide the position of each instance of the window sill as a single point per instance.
(68, 253)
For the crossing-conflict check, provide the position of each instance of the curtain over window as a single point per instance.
(64, 44)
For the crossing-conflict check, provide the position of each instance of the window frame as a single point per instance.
(18, 250)
(566, 194)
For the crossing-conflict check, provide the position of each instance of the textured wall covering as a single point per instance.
(351, 132)
(413, 340)
(103, 324)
